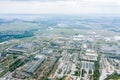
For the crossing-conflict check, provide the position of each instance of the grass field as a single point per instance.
(114, 76)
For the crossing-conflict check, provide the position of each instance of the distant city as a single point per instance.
(59, 47)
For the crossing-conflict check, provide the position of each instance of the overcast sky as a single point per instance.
(60, 6)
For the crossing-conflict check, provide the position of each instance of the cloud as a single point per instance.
(60, 6)
(39, 0)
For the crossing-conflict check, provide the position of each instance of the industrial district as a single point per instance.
(60, 57)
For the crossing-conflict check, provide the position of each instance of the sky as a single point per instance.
(60, 7)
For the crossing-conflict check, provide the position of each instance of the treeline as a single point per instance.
(96, 74)
(16, 36)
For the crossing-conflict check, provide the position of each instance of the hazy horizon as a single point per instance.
(68, 7)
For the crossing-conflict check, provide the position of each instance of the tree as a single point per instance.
(83, 72)
(96, 74)
(90, 71)
(76, 73)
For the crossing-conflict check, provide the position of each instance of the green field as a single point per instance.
(114, 76)
(18, 26)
